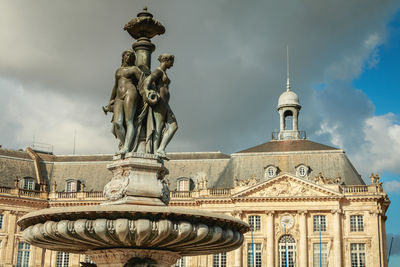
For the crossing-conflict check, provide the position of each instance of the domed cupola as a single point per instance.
(288, 99)
(288, 106)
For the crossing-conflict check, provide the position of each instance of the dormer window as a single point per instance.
(184, 184)
(72, 185)
(270, 171)
(302, 170)
(29, 183)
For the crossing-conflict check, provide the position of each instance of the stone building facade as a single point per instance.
(305, 201)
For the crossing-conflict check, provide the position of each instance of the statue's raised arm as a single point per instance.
(156, 90)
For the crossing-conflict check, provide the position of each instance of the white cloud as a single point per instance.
(392, 186)
(381, 150)
(53, 119)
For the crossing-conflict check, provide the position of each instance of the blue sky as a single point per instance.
(381, 84)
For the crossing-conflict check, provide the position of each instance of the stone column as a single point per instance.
(295, 122)
(270, 238)
(303, 251)
(282, 119)
(337, 238)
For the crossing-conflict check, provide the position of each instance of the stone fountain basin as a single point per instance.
(89, 228)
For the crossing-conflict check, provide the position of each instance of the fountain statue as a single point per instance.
(135, 226)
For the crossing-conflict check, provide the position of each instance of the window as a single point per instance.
(71, 186)
(287, 251)
(181, 262)
(62, 259)
(23, 254)
(323, 256)
(219, 260)
(319, 220)
(183, 185)
(255, 222)
(1, 221)
(357, 255)
(302, 170)
(356, 223)
(29, 184)
(88, 260)
(257, 255)
(270, 171)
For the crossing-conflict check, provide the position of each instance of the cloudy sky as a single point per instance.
(58, 58)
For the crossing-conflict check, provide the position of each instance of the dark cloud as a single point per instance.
(229, 71)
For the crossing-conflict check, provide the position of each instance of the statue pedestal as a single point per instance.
(121, 257)
(138, 179)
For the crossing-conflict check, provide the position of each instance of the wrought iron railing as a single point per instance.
(288, 134)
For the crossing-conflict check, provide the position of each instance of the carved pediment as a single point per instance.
(287, 186)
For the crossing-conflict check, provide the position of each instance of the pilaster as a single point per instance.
(303, 251)
(270, 238)
(238, 253)
(337, 238)
(11, 224)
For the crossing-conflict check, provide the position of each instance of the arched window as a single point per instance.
(29, 183)
(287, 251)
(288, 116)
(302, 171)
(270, 171)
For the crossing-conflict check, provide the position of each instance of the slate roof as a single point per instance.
(13, 164)
(219, 169)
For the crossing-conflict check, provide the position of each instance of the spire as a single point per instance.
(287, 69)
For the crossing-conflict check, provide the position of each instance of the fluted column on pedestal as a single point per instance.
(270, 238)
(337, 238)
(303, 251)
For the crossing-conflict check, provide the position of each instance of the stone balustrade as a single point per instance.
(212, 192)
(358, 189)
(23, 193)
